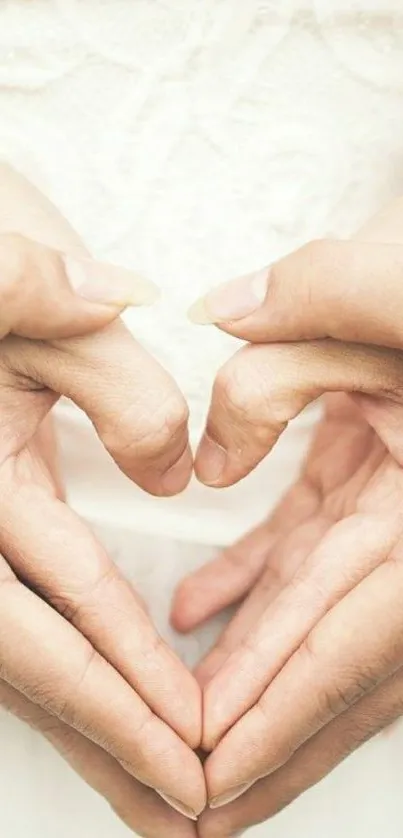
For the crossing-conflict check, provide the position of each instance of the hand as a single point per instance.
(323, 633)
(349, 291)
(296, 557)
(78, 655)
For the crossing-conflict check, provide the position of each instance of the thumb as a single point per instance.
(45, 294)
(346, 290)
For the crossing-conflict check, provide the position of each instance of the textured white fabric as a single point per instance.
(196, 140)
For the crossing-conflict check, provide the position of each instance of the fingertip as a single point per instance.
(210, 462)
(232, 301)
(179, 775)
(189, 606)
(213, 773)
(199, 314)
(180, 618)
(226, 778)
(107, 284)
(178, 476)
(218, 468)
(204, 672)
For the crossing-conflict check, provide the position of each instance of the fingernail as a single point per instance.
(229, 796)
(210, 461)
(233, 301)
(100, 282)
(177, 477)
(179, 806)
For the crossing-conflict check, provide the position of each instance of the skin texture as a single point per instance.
(58, 588)
(300, 631)
(311, 665)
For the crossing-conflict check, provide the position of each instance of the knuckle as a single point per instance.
(317, 252)
(66, 606)
(145, 724)
(321, 257)
(154, 647)
(173, 420)
(147, 430)
(317, 259)
(73, 606)
(243, 389)
(262, 385)
(306, 585)
(343, 689)
(338, 698)
(227, 391)
(64, 704)
(254, 648)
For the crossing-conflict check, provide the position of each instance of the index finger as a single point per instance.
(263, 387)
(346, 290)
(45, 658)
(66, 564)
(138, 806)
(137, 409)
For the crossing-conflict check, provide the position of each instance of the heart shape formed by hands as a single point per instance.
(105, 689)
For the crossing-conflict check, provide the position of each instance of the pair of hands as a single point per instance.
(65, 594)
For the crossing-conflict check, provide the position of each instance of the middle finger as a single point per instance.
(50, 547)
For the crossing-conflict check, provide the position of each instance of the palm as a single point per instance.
(350, 483)
(336, 525)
